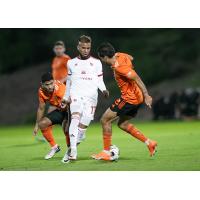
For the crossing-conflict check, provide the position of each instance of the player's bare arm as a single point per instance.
(40, 114)
(147, 97)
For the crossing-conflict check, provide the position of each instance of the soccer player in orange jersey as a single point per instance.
(51, 91)
(133, 95)
(59, 63)
(59, 68)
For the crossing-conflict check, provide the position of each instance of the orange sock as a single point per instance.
(135, 133)
(107, 141)
(48, 135)
(67, 139)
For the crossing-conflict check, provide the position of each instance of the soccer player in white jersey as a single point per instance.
(85, 77)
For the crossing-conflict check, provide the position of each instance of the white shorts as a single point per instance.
(85, 106)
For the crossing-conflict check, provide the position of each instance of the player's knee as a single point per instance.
(122, 125)
(103, 120)
(43, 124)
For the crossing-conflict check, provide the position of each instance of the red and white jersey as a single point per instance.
(86, 77)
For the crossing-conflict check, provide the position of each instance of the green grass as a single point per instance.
(179, 149)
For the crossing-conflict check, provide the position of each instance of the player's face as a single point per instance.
(59, 50)
(84, 49)
(48, 86)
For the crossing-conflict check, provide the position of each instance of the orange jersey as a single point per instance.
(59, 67)
(123, 71)
(56, 97)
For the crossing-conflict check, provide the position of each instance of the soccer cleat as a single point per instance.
(152, 147)
(52, 152)
(104, 155)
(66, 156)
(73, 154)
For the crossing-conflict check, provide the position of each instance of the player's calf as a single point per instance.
(133, 131)
(44, 123)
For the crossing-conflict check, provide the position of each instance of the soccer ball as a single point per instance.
(114, 150)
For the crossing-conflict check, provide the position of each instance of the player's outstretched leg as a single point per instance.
(125, 125)
(46, 129)
(106, 122)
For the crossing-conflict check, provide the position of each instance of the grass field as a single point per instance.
(179, 149)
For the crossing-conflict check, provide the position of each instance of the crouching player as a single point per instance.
(51, 91)
(133, 94)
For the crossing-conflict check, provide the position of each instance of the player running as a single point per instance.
(51, 91)
(85, 77)
(133, 95)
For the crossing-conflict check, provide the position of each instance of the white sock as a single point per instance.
(73, 131)
(147, 142)
(81, 133)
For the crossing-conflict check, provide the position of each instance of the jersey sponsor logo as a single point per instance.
(83, 72)
(86, 78)
(91, 64)
(76, 64)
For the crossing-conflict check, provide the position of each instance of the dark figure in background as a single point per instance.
(189, 103)
(165, 107)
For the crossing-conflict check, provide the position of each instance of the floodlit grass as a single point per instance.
(178, 149)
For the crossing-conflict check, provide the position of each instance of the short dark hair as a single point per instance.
(59, 43)
(106, 49)
(46, 77)
(85, 39)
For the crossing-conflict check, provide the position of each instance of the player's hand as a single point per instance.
(65, 104)
(148, 100)
(35, 131)
(106, 93)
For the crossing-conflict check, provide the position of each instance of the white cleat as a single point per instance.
(52, 152)
(66, 156)
(73, 154)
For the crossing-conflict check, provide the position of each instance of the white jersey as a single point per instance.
(86, 77)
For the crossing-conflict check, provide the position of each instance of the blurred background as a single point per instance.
(168, 61)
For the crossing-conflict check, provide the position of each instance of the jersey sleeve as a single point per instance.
(99, 70)
(69, 68)
(40, 97)
(125, 68)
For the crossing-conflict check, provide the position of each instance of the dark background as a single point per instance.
(168, 60)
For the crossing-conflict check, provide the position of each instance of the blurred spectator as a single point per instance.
(165, 107)
(189, 104)
(175, 106)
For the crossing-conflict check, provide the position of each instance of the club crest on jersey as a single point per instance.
(76, 64)
(83, 72)
(91, 64)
